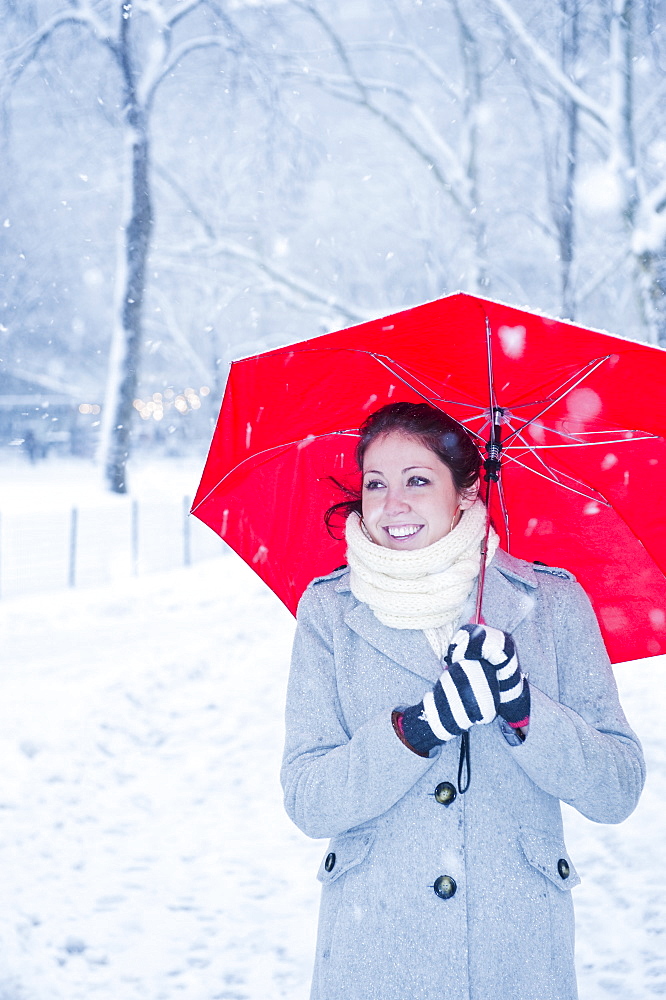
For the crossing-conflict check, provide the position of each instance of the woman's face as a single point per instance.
(409, 499)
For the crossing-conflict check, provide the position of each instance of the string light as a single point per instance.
(158, 403)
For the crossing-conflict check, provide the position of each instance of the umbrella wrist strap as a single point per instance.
(464, 764)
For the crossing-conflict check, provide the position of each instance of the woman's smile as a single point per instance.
(402, 530)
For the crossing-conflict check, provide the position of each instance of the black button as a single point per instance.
(445, 793)
(329, 864)
(445, 887)
(563, 868)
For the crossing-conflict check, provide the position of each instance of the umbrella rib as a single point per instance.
(558, 481)
(623, 430)
(594, 365)
(555, 430)
(548, 399)
(429, 399)
(590, 444)
(384, 358)
(599, 498)
(380, 359)
(471, 430)
(527, 445)
(505, 513)
(265, 451)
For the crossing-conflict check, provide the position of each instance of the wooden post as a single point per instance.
(187, 541)
(135, 537)
(73, 539)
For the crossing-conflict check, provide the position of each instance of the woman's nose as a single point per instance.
(396, 501)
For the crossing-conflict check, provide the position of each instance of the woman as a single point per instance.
(429, 893)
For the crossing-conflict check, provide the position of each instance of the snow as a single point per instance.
(144, 848)
(600, 190)
(145, 852)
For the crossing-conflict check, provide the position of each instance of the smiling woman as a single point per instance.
(409, 497)
(432, 887)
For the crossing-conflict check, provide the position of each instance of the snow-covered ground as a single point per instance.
(143, 846)
(58, 525)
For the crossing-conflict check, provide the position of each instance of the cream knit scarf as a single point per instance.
(423, 588)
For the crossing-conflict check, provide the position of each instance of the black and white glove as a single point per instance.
(466, 694)
(486, 644)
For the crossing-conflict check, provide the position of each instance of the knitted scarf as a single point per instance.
(422, 588)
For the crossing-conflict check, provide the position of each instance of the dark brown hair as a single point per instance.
(434, 428)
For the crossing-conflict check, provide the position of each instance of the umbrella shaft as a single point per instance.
(484, 554)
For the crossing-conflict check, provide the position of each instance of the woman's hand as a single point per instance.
(466, 694)
(497, 649)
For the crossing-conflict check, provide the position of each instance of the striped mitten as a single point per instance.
(466, 694)
(483, 643)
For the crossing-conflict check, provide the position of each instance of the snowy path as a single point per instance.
(144, 850)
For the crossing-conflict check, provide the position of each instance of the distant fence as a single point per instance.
(90, 546)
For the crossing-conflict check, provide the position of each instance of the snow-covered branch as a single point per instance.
(282, 277)
(150, 84)
(102, 31)
(338, 85)
(416, 53)
(599, 279)
(298, 287)
(451, 176)
(392, 122)
(181, 10)
(655, 201)
(339, 80)
(547, 63)
(19, 58)
(178, 335)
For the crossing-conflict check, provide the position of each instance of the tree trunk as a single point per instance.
(651, 279)
(477, 277)
(648, 276)
(564, 210)
(125, 354)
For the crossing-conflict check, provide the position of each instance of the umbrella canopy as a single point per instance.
(580, 414)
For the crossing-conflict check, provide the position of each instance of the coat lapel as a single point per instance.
(504, 606)
(504, 603)
(408, 647)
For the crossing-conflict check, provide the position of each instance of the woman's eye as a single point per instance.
(418, 481)
(374, 484)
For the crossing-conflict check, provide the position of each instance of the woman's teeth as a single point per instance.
(403, 531)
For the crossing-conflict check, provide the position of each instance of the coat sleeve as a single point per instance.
(582, 749)
(332, 780)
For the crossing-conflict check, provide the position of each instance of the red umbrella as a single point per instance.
(580, 417)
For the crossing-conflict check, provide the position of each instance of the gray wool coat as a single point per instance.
(508, 931)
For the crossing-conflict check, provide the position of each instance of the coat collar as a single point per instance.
(508, 597)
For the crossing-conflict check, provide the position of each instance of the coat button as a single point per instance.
(445, 886)
(329, 864)
(563, 868)
(445, 793)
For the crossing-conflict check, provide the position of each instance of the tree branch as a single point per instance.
(417, 53)
(294, 283)
(25, 53)
(545, 60)
(655, 201)
(184, 8)
(456, 185)
(148, 88)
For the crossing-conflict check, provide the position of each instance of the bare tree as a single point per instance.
(138, 35)
(453, 166)
(611, 123)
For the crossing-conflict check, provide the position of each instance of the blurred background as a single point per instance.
(189, 181)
